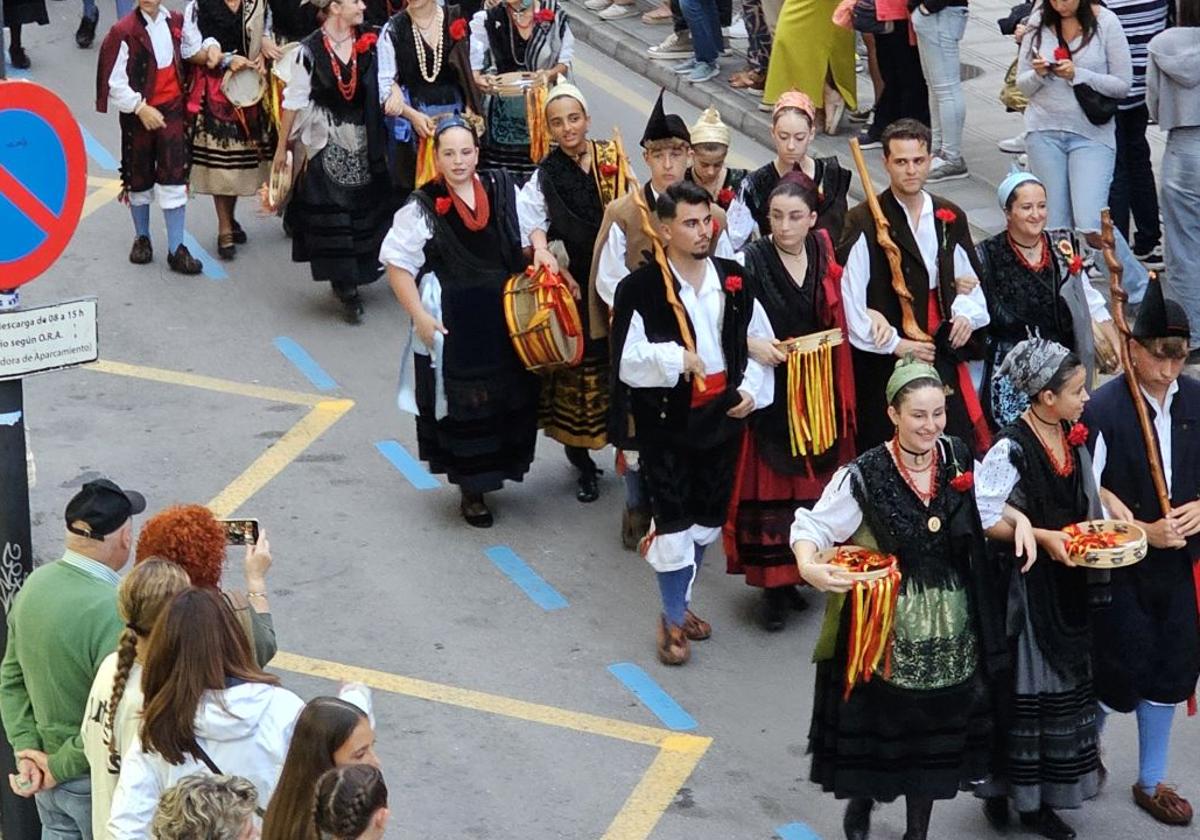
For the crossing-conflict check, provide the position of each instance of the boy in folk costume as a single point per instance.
(679, 345)
(710, 148)
(945, 301)
(625, 242)
(140, 73)
(1147, 639)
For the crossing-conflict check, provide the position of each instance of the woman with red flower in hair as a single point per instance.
(1034, 280)
(794, 275)
(341, 204)
(1046, 707)
(192, 537)
(560, 209)
(449, 254)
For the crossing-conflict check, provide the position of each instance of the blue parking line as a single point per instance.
(408, 466)
(101, 156)
(652, 696)
(796, 831)
(306, 364)
(540, 592)
(212, 266)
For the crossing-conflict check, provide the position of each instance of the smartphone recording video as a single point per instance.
(240, 531)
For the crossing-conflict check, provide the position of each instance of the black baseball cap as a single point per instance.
(103, 507)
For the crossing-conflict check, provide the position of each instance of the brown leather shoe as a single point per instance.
(696, 628)
(142, 251)
(182, 261)
(673, 646)
(1165, 805)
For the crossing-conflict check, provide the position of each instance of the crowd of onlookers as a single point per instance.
(137, 707)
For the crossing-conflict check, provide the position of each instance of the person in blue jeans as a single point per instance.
(939, 26)
(86, 33)
(1070, 44)
(704, 22)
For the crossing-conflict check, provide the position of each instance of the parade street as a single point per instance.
(517, 691)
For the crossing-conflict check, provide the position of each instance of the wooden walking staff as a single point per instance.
(1119, 298)
(883, 236)
(660, 256)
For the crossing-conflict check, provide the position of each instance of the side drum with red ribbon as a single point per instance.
(543, 320)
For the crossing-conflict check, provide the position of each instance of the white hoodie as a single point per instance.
(245, 730)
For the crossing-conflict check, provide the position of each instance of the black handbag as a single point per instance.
(864, 20)
(1097, 107)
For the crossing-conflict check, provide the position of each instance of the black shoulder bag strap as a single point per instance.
(199, 752)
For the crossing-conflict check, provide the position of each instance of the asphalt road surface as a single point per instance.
(497, 717)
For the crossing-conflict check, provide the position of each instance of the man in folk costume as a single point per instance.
(1147, 639)
(710, 149)
(560, 209)
(626, 242)
(679, 344)
(945, 301)
(140, 73)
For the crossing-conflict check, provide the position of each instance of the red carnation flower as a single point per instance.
(725, 198)
(733, 283)
(544, 16)
(946, 216)
(716, 227)
(458, 29)
(834, 271)
(443, 205)
(365, 42)
(1078, 435)
(1076, 265)
(608, 170)
(1062, 54)
(963, 482)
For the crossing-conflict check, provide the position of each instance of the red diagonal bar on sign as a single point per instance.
(26, 202)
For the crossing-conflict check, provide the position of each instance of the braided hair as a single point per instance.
(140, 598)
(347, 798)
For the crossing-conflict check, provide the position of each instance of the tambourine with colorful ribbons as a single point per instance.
(811, 406)
(543, 320)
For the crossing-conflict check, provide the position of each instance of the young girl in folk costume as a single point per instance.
(451, 249)
(564, 202)
(793, 274)
(921, 726)
(114, 706)
(352, 803)
(230, 143)
(517, 36)
(792, 127)
(141, 74)
(341, 205)
(710, 148)
(1046, 707)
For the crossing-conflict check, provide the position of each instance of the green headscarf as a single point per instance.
(908, 370)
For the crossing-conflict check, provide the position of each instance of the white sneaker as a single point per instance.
(737, 29)
(597, 5)
(675, 46)
(617, 11)
(1012, 145)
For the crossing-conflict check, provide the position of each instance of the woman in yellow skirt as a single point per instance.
(814, 55)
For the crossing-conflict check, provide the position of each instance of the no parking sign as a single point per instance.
(43, 177)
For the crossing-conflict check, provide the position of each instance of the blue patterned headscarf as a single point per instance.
(1010, 183)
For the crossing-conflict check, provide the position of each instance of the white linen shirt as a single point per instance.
(120, 95)
(972, 306)
(479, 43)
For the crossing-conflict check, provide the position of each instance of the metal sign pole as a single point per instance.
(18, 815)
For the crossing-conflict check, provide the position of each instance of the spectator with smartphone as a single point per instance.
(62, 625)
(195, 539)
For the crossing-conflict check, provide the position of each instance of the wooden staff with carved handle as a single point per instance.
(1119, 298)
(660, 256)
(883, 237)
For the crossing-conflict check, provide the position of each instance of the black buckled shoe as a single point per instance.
(475, 511)
(589, 486)
(142, 251)
(182, 261)
(86, 33)
(1047, 823)
(239, 235)
(774, 615)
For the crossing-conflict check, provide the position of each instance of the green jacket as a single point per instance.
(62, 625)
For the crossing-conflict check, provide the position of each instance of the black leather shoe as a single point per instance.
(995, 808)
(774, 616)
(18, 58)
(857, 821)
(142, 251)
(239, 235)
(86, 33)
(1048, 824)
(475, 511)
(182, 261)
(589, 486)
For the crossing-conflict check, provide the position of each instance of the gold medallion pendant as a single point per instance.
(935, 524)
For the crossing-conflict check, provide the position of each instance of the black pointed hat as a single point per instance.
(664, 126)
(1159, 317)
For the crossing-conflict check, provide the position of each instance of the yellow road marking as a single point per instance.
(207, 383)
(108, 189)
(678, 753)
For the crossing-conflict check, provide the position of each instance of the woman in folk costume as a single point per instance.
(792, 127)
(451, 249)
(561, 207)
(1033, 279)
(1046, 708)
(795, 277)
(230, 144)
(710, 148)
(921, 726)
(1147, 638)
(424, 73)
(140, 73)
(17, 13)
(517, 36)
(341, 205)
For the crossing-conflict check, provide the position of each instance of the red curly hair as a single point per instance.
(188, 535)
